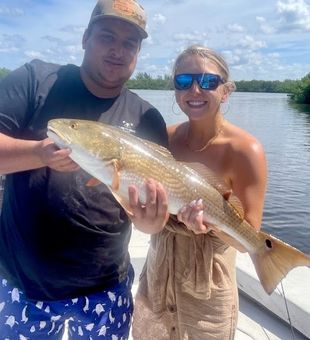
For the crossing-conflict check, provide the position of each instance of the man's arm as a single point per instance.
(20, 155)
(16, 93)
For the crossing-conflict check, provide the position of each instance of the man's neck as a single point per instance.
(98, 90)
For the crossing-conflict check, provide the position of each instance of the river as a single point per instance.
(284, 131)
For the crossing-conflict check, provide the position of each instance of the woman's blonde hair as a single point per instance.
(208, 54)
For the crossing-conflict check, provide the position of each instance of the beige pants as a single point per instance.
(187, 289)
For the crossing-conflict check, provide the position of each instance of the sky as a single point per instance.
(260, 39)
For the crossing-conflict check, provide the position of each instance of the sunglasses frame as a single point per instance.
(198, 77)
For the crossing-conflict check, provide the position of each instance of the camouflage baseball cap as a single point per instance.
(127, 10)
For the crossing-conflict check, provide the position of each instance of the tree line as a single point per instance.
(145, 81)
(299, 90)
(3, 72)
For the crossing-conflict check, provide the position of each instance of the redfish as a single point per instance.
(118, 159)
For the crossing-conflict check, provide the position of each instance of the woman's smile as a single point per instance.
(196, 103)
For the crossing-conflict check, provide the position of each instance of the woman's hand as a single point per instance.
(192, 216)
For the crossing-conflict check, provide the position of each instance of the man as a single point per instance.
(63, 245)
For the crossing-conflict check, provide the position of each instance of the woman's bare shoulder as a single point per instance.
(243, 141)
(248, 159)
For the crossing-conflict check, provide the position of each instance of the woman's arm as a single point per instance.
(249, 180)
(248, 177)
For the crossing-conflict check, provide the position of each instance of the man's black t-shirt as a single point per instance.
(58, 237)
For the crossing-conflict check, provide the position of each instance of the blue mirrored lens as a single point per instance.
(183, 81)
(209, 81)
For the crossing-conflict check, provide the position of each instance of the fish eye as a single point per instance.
(73, 126)
(268, 243)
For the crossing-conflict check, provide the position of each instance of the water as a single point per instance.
(284, 132)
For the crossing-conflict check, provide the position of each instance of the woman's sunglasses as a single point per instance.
(206, 81)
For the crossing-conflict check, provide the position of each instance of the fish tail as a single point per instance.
(275, 261)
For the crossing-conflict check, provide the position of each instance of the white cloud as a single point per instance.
(260, 19)
(11, 49)
(159, 19)
(53, 39)
(235, 28)
(144, 56)
(9, 11)
(149, 41)
(264, 26)
(233, 57)
(11, 43)
(73, 29)
(255, 65)
(74, 49)
(295, 15)
(62, 47)
(253, 38)
(195, 37)
(250, 43)
(72, 58)
(34, 54)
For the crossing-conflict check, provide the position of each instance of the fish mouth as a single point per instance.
(60, 141)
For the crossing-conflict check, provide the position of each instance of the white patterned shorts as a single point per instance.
(104, 315)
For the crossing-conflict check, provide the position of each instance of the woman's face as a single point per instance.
(195, 102)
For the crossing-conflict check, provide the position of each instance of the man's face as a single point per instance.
(111, 49)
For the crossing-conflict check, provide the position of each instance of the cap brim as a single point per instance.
(141, 31)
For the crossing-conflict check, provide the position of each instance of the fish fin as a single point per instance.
(122, 202)
(115, 186)
(92, 182)
(154, 146)
(276, 260)
(219, 184)
(236, 204)
(158, 148)
(116, 174)
(227, 194)
(115, 179)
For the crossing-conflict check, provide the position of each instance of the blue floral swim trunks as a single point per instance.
(104, 315)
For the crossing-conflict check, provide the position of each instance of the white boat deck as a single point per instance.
(261, 317)
(255, 321)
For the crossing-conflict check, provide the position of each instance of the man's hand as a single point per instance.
(152, 216)
(55, 158)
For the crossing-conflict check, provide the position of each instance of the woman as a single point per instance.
(188, 286)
